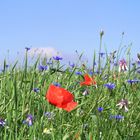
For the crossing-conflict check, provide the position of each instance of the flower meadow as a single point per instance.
(48, 101)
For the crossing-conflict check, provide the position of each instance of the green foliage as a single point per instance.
(17, 100)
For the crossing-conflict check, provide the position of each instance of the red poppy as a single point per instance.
(61, 98)
(88, 81)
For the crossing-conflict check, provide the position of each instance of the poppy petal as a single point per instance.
(88, 81)
(61, 98)
(67, 96)
(69, 106)
(54, 95)
(87, 77)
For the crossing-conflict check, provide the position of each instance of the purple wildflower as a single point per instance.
(29, 120)
(49, 63)
(133, 63)
(42, 68)
(94, 64)
(57, 84)
(2, 122)
(138, 62)
(110, 85)
(98, 72)
(6, 66)
(91, 73)
(27, 48)
(133, 81)
(101, 54)
(78, 73)
(115, 64)
(123, 104)
(72, 65)
(57, 58)
(130, 81)
(117, 117)
(123, 66)
(36, 90)
(100, 109)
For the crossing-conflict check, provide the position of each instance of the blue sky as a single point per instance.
(68, 25)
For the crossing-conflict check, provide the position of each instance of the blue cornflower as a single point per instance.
(6, 66)
(36, 90)
(101, 54)
(117, 117)
(72, 65)
(94, 63)
(78, 73)
(42, 68)
(100, 109)
(110, 85)
(133, 63)
(98, 72)
(49, 63)
(130, 81)
(91, 73)
(138, 62)
(115, 64)
(27, 48)
(29, 120)
(133, 81)
(56, 84)
(57, 58)
(2, 122)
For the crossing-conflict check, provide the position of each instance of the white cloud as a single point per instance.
(43, 52)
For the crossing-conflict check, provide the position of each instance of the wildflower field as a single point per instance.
(50, 101)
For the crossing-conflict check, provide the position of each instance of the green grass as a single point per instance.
(85, 122)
